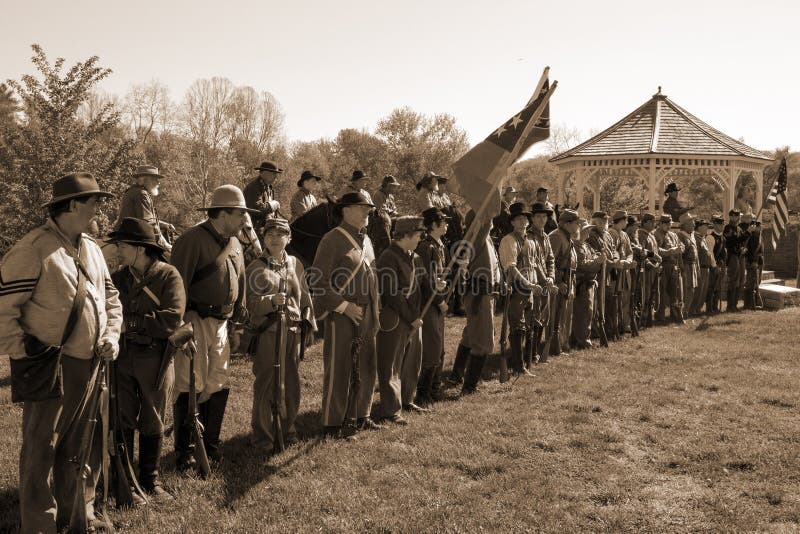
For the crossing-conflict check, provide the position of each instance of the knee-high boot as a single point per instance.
(214, 414)
(149, 466)
(516, 360)
(473, 374)
(459, 365)
(184, 448)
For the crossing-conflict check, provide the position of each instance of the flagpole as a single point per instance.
(495, 178)
(545, 74)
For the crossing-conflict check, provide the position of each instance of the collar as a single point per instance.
(215, 233)
(355, 232)
(400, 251)
(51, 225)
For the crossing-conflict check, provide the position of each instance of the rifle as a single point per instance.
(278, 406)
(182, 338)
(636, 297)
(124, 479)
(355, 377)
(78, 522)
(601, 316)
(504, 377)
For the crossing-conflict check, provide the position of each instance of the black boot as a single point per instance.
(473, 374)
(459, 364)
(149, 466)
(184, 448)
(437, 392)
(733, 302)
(424, 387)
(214, 413)
(529, 352)
(516, 361)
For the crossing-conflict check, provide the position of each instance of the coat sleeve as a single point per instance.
(306, 305)
(113, 306)
(19, 273)
(169, 315)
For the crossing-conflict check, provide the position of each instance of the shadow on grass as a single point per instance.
(246, 466)
(9, 510)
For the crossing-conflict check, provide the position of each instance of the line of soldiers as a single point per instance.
(383, 318)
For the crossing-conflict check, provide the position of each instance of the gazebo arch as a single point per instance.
(660, 142)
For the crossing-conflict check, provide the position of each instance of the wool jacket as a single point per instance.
(38, 283)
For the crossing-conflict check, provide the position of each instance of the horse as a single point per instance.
(308, 229)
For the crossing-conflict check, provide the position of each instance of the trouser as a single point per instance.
(520, 311)
(429, 385)
(713, 295)
(211, 361)
(736, 275)
(142, 406)
(399, 362)
(264, 359)
(477, 336)
(671, 289)
(701, 291)
(337, 358)
(48, 446)
(690, 279)
(652, 295)
(625, 311)
(582, 313)
(612, 312)
(541, 315)
(751, 285)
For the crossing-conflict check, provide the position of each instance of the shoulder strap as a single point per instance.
(358, 267)
(77, 304)
(141, 285)
(206, 270)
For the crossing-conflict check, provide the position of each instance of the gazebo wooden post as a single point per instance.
(580, 183)
(596, 193)
(651, 192)
(759, 177)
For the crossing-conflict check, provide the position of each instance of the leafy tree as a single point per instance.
(52, 140)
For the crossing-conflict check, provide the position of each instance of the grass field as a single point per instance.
(678, 430)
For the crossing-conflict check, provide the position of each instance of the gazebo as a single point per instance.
(660, 142)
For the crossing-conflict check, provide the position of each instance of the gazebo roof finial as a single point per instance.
(659, 89)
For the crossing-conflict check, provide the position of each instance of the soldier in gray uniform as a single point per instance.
(153, 303)
(671, 284)
(209, 258)
(138, 201)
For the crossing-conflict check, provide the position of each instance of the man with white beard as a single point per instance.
(138, 201)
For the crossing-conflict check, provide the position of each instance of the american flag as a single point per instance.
(780, 215)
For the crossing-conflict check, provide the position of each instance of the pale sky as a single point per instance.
(345, 64)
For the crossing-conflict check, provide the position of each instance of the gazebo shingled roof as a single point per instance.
(660, 140)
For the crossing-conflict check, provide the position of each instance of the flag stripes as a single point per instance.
(780, 213)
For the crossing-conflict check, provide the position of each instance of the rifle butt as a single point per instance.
(203, 465)
(123, 494)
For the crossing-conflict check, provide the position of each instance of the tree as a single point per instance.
(9, 107)
(53, 140)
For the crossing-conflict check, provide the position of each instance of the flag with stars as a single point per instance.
(477, 173)
(780, 214)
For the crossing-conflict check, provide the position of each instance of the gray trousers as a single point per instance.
(337, 366)
(142, 406)
(399, 364)
(46, 501)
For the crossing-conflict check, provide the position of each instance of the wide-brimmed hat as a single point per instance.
(268, 166)
(671, 188)
(357, 175)
(429, 177)
(586, 226)
(389, 180)
(700, 222)
(516, 209)
(568, 216)
(600, 215)
(540, 207)
(137, 232)
(147, 170)
(542, 189)
(717, 219)
(433, 215)
(665, 219)
(75, 185)
(277, 223)
(648, 217)
(307, 175)
(618, 215)
(408, 224)
(353, 198)
(226, 197)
